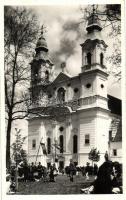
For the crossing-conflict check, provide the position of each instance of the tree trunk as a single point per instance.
(8, 138)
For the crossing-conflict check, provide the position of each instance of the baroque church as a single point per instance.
(71, 115)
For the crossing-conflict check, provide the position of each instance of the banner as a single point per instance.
(43, 148)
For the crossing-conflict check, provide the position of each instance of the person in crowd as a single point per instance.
(32, 170)
(63, 171)
(116, 178)
(26, 172)
(44, 174)
(67, 171)
(106, 181)
(107, 178)
(72, 170)
(55, 172)
(87, 170)
(13, 178)
(83, 171)
(103, 182)
(8, 183)
(95, 169)
(20, 169)
(40, 170)
(51, 173)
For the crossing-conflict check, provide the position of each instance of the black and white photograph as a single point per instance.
(63, 99)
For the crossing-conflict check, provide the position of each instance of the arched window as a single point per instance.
(61, 95)
(48, 145)
(33, 144)
(75, 144)
(61, 143)
(101, 58)
(36, 74)
(89, 58)
(46, 75)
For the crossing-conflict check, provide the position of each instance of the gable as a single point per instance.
(61, 77)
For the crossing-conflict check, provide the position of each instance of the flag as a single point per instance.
(43, 148)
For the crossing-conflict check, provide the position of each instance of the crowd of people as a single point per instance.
(107, 176)
(84, 170)
(108, 179)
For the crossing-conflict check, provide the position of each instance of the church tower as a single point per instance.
(41, 78)
(41, 71)
(93, 112)
(94, 67)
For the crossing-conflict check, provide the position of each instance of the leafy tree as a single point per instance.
(94, 155)
(20, 32)
(18, 153)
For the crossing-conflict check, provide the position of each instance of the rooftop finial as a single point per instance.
(93, 21)
(42, 30)
(93, 6)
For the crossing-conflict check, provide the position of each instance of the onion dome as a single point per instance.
(93, 23)
(41, 43)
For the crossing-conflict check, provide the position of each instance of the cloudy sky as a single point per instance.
(65, 33)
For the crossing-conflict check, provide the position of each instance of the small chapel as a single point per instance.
(71, 115)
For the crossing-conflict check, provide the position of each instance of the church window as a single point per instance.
(102, 86)
(88, 85)
(75, 144)
(46, 75)
(87, 139)
(34, 144)
(61, 95)
(110, 136)
(101, 58)
(61, 143)
(48, 145)
(49, 96)
(36, 73)
(114, 152)
(61, 128)
(69, 84)
(89, 58)
(76, 90)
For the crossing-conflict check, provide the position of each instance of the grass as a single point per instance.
(61, 186)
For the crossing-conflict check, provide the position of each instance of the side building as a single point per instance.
(70, 115)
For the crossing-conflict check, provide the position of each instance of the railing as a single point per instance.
(74, 104)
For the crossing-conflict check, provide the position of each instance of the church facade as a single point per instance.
(70, 115)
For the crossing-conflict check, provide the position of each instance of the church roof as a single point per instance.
(118, 136)
(114, 105)
(92, 43)
(43, 56)
(41, 43)
(62, 77)
(118, 128)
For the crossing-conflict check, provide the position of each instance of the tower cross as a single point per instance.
(43, 29)
(93, 8)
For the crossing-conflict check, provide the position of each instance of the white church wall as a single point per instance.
(87, 127)
(102, 134)
(87, 91)
(101, 86)
(33, 129)
(118, 147)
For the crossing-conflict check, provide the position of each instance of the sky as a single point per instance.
(64, 34)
